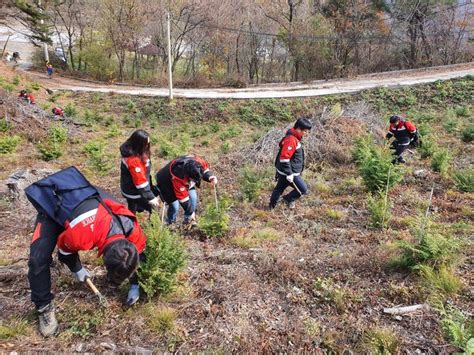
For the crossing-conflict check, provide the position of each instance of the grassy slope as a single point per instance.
(318, 277)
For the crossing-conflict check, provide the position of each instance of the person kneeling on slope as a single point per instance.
(135, 177)
(28, 97)
(177, 183)
(405, 133)
(74, 216)
(289, 165)
(58, 111)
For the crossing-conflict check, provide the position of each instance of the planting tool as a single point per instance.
(162, 215)
(296, 188)
(215, 197)
(102, 300)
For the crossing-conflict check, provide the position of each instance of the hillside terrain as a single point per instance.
(317, 277)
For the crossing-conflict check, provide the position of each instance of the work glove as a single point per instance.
(213, 179)
(82, 274)
(155, 203)
(133, 294)
(290, 178)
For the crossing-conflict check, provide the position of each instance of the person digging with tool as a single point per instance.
(135, 177)
(405, 133)
(289, 165)
(177, 183)
(28, 97)
(75, 216)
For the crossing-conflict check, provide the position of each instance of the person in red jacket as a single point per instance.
(58, 111)
(28, 97)
(177, 183)
(100, 223)
(405, 133)
(135, 177)
(289, 164)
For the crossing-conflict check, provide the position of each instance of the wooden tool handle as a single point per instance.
(92, 286)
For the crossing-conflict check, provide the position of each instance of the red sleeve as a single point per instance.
(138, 172)
(180, 189)
(288, 148)
(410, 126)
(204, 164)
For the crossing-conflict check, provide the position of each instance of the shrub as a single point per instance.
(57, 134)
(257, 238)
(225, 147)
(380, 341)
(327, 291)
(443, 280)
(161, 320)
(468, 133)
(5, 126)
(251, 182)
(375, 165)
(165, 257)
(214, 222)
(8, 87)
(464, 180)
(174, 145)
(450, 125)
(98, 159)
(462, 111)
(428, 146)
(457, 328)
(430, 247)
(440, 161)
(379, 209)
(35, 86)
(91, 117)
(16, 80)
(50, 150)
(131, 105)
(13, 328)
(8, 144)
(70, 110)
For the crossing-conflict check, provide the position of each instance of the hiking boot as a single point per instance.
(48, 325)
(290, 204)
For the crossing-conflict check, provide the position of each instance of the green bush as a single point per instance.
(440, 161)
(165, 257)
(462, 111)
(225, 147)
(468, 133)
(70, 110)
(91, 117)
(428, 146)
(174, 145)
(251, 182)
(464, 180)
(50, 150)
(5, 126)
(57, 134)
(98, 159)
(375, 165)
(214, 222)
(443, 280)
(429, 247)
(8, 144)
(379, 209)
(450, 124)
(16, 80)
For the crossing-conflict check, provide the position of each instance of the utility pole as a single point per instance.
(46, 54)
(168, 35)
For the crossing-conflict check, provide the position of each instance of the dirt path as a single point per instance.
(315, 88)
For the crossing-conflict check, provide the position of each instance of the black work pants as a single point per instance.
(282, 184)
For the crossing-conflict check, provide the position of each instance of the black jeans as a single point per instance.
(399, 149)
(41, 250)
(282, 184)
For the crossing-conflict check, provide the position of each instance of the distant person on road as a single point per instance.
(15, 57)
(405, 133)
(28, 97)
(58, 111)
(289, 165)
(49, 69)
(75, 216)
(177, 183)
(135, 173)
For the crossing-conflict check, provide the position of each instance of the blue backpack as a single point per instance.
(57, 195)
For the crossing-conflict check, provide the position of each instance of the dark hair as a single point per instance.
(121, 260)
(303, 123)
(393, 119)
(137, 144)
(193, 170)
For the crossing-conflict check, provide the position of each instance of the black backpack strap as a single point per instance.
(113, 215)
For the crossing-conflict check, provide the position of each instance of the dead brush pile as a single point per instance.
(330, 140)
(31, 121)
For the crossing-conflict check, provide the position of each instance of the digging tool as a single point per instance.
(162, 215)
(102, 300)
(215, 198)
(296, 188)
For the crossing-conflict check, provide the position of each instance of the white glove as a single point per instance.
(213, 179)
(82, 274)
(191, 219)
(290, 178)
(133, 294)
(155, 203)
